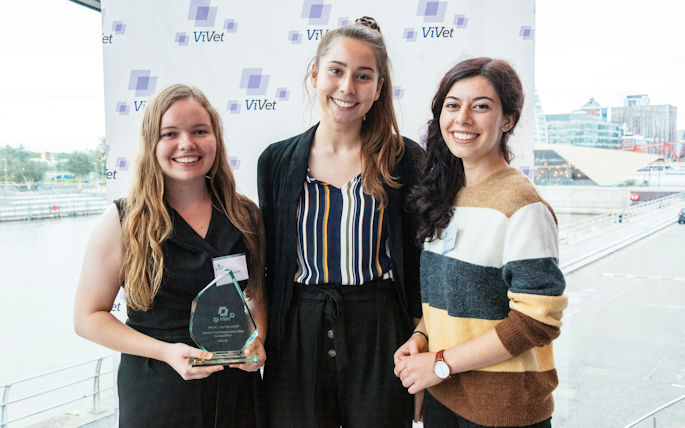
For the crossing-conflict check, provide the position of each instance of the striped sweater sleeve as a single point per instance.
(535, 282)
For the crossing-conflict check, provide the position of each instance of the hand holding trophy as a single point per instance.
(221, 323)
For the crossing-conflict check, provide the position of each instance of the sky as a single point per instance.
(51, 90)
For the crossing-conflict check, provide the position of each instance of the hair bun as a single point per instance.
(367, 21)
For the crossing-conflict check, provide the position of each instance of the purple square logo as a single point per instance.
(233, 107)
(122, 108)
(316, 12)
(410, 34)
(461, 21)
(398, 92)
(182, 39)
(118, 27)
(234, 163)
(432, 10)
(121, 164)
(295, 37)
(142, 83)
(254, 81)
(527, 171)
(282, 94)
(526, 33)
(230, 25)
(344, 20)
(202, 13)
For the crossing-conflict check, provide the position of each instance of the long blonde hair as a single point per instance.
(147, 223)
(382, 145)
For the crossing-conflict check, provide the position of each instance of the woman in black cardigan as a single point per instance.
(342, 266)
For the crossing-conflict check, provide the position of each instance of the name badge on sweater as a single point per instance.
(235, 262)
(449, 238)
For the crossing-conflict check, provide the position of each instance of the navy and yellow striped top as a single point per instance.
(341, 235)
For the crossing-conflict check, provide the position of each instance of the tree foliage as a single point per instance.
(79, 164)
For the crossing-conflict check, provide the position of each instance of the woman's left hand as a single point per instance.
(416, 372)
(256, 347)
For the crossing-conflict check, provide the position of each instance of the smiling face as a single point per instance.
(347, 81)
(472, 122)
(186, 148)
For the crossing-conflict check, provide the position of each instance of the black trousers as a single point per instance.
(152, 394)
(335, 367)
(435, 415)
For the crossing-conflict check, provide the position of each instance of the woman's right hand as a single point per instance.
(178, 356)
(416, 343)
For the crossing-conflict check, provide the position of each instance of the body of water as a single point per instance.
(40, 262)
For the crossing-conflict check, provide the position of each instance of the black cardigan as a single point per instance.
(281, 172)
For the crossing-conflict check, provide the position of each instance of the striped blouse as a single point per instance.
(341, 235)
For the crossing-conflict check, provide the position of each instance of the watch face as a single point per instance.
(441, 369)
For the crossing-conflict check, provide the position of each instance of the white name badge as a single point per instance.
(235, 262)
(449, 238)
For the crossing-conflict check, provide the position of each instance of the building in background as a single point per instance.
(540, 122)
(585, 127)
(654, 122)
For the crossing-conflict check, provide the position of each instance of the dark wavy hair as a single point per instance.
(442, 174)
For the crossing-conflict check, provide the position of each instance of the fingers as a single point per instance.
(189, 372)
(253, 348)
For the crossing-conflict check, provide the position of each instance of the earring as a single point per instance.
(364, 118)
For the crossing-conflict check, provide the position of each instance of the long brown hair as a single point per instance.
(147, 222)
(382, 145)
(442, 174)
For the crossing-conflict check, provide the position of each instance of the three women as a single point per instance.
(341, 266)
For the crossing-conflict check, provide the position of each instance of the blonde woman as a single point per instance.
(158, 243)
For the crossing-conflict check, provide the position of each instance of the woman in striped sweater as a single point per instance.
(491, 288)
(342, 266)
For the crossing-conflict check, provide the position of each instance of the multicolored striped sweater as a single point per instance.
(501, 272)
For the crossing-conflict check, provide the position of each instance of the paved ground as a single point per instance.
(622, 349)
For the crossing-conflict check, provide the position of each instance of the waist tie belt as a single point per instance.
(330, 300)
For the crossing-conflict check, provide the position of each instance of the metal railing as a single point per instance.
(654, 412)
(64, 208)
(582, 229)
(93, 382)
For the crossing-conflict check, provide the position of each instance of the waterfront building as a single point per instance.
(639, 117)
(586, 127)
(540, 122)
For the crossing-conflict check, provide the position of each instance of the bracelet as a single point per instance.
(421, 333)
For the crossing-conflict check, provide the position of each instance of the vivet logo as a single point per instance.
(433, 26)
(121, 164)
(317, 14)
(118, 29)
(143, 84)
(527, 32)
(234, 163)
(203, 16)
(256, 85)
(398, 92)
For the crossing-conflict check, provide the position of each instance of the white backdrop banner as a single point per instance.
(250, 59)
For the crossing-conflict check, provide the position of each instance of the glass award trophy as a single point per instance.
(221, 323)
